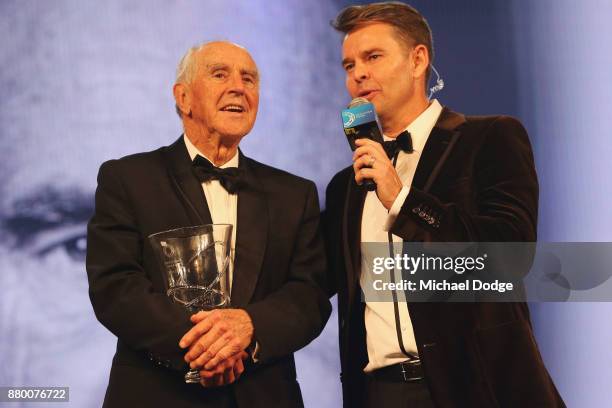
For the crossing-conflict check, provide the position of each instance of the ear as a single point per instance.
(420, 61)
(182, 96)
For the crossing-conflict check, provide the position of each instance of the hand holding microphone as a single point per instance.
(370, 163)
(372, 167)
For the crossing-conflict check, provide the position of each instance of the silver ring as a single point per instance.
(371, 162)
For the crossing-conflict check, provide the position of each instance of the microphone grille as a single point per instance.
(358, 102)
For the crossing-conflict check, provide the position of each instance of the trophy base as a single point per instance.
(192, 377)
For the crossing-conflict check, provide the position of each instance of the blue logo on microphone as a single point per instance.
(348, 118)
(358, 115)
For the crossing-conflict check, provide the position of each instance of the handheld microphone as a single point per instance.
(359, 120)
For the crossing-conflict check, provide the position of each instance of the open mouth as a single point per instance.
(233, 108)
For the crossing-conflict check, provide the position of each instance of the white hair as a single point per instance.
(185, 71)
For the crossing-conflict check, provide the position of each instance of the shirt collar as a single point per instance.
(421, 127)
(194, 151)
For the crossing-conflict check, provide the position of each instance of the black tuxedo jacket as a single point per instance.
(278, 278)
(475, 181)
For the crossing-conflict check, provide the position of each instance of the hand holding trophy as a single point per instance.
(195, 261)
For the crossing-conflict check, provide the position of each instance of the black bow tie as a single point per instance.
(231, 178)
(402, 142)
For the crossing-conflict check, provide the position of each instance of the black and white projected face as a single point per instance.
(84, 83)
(48, 328)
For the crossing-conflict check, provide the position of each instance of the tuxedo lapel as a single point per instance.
(187, 187)
(251, 236)
(437, 149)
(351, 237)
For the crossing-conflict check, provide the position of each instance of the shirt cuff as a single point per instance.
(396, 207)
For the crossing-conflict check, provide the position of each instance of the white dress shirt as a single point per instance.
(381, 334)
(223, 208)
(222, 205)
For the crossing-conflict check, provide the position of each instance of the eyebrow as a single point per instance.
(216, 66)
(43, 211)
(221, 66)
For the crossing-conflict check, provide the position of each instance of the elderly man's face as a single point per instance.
(225, 91)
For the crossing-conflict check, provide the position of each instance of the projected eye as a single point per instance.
(71, 240)
(75, 247)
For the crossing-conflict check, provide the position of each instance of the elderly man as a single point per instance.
(449, 178)
(278, 305)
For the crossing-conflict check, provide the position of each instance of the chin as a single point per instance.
(233, 136)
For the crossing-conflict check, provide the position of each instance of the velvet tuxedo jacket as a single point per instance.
(475, 181)
(278, 278)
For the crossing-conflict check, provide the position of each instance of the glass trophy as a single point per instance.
(195, 261)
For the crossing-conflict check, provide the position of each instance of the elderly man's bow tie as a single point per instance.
(402, 142)
(231, 178)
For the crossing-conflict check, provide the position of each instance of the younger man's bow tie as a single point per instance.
(231, 178)
(402, 142)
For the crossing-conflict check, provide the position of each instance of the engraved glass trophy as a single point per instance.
(195, 261)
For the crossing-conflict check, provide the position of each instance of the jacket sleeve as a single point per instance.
(331, 220)
(296, 313)
(505, 196)
(120, 290)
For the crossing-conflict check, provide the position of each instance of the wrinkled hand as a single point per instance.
(216, 336)
(371, 162)
(224, 373)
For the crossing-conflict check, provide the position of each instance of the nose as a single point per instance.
(237, 85)
(360, 72)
